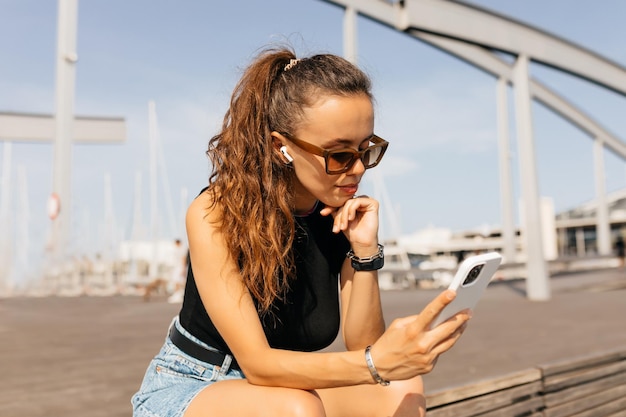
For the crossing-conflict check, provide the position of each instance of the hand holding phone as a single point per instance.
(469, 283)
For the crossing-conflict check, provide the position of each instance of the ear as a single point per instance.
(278, 140)
(279, 145)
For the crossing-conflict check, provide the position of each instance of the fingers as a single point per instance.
(326, 211)
(344, 215)
(450, 341)
(452, 328)
(416, 352)
(353, 209)
(432, 310)
(444, 335)
(405, 321)
(442, 347)
(413, 346)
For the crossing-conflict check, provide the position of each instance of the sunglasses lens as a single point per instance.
(372, 156)
(339, 160)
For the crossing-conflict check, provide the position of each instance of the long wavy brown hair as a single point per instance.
(250, 184)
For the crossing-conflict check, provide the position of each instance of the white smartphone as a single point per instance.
(470, 281)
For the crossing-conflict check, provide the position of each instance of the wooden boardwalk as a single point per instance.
(85, 356)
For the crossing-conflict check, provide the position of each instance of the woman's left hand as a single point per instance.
(358, 220)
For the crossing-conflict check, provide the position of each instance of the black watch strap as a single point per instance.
(370, 263)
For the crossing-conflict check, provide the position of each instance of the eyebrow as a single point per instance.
(345, 142)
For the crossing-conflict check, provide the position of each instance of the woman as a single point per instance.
(281, 248)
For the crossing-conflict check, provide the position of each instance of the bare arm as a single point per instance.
(361, 310)
(362, 314)
(232, 310)
(405, 350)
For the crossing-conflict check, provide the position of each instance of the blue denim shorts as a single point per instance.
(173, 379)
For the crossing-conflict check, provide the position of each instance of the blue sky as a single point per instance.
(438, 113)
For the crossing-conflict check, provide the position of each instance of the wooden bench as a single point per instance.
(592, 386)
(510, 395)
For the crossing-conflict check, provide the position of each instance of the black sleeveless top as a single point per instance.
(308, 318)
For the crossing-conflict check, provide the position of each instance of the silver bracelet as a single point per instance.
(372, 368)
(370, 263)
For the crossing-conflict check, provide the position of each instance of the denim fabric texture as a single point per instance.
(173, 379)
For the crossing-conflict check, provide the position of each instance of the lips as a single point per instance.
(350, 188)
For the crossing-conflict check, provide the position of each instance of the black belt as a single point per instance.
(199, 352)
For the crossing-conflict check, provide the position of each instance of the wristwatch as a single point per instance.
(370, 263)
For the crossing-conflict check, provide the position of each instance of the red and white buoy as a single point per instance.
(54, 206)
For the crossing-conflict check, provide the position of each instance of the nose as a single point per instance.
(357, 168)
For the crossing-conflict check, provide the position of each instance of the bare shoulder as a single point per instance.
(203, 221)
(207, 246)
(202, 212)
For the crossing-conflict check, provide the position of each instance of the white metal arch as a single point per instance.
(476, 25)
(497, 67)
(473, 25)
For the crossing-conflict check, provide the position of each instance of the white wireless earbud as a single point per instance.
(283, 150)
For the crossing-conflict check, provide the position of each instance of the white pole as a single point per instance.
(137, 228)
(109, 217)
(381, 194)
(153, 132)
(110, 239)
(22, 243)
(5, 195)
(65, 79)
(349, 34)
(504, 156)
(5, 223)
(350, 49)
(165, 182)
(603, 229)
(537, 283)
(184, 195)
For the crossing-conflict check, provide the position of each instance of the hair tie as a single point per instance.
(292, 63)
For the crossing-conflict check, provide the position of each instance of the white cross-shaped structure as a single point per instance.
(63, 127)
